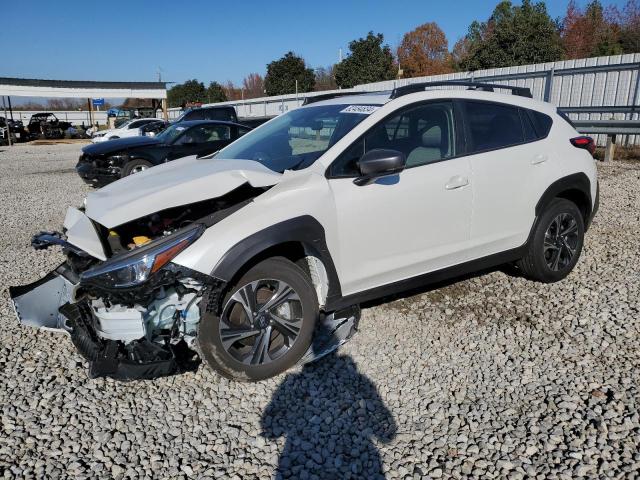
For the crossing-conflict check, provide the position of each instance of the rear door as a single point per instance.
(509, 163)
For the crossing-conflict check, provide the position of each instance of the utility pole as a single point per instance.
(6, 122)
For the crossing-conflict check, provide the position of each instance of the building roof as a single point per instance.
(31, 87)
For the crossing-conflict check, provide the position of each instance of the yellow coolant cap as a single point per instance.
(139, 241)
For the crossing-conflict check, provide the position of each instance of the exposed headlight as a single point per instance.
(135, 267)
(118, 158)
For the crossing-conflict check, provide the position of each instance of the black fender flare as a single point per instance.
(305, 230)
(576, 181)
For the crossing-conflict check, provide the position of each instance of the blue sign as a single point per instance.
(98, 102)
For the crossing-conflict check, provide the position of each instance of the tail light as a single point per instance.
(586, 143)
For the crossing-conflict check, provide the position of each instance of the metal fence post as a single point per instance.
(636, 100)
(610, 150)
(548, 88)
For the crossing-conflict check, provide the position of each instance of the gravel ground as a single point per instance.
(489, 377)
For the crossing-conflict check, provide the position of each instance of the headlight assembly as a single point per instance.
(135, 267)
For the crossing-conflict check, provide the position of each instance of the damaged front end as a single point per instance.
(130, 311)
(134, 316)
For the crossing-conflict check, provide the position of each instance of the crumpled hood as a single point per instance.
(172, 184)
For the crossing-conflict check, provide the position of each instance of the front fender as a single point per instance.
(305, 230)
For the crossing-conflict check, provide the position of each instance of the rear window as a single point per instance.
(493, 126)
(226, 114)
(193, 115)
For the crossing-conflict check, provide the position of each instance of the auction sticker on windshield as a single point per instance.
(362, 109)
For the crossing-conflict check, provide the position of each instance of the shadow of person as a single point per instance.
(330, 414)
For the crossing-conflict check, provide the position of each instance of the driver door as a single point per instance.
(412, 223)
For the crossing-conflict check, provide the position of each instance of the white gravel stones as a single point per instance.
(492, 377)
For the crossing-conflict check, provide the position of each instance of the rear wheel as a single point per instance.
(265, 325)
(135, 166)
(556, 244)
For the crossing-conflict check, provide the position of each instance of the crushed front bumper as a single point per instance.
(51, 304)
(37, 303)
(95, 176)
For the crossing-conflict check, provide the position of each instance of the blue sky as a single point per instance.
(207, 40)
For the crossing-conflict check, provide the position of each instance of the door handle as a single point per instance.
(541, 158)
(456, 182)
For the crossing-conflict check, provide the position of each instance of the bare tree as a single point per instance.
(325, 79)
(253, 85)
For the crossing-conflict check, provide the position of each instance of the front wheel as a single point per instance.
(135, 166)
(265, 325)
(557, 241)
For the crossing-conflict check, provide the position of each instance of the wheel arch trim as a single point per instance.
(574, 182)
(305, 230)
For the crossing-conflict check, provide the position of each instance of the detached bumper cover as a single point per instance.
(37, 303)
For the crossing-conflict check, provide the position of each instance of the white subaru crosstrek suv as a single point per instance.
(257, 257)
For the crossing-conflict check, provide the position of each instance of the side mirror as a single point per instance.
(378, 163)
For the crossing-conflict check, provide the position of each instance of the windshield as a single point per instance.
(297, 139)
(125, 125)
(171, 133)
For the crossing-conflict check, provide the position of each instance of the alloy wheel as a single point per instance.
(561, 241)
(138, 169)
(261, 321)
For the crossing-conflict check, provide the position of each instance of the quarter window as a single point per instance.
(493, 126)
(542, 123)
(530, 134)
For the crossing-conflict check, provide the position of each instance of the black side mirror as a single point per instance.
(378, 163)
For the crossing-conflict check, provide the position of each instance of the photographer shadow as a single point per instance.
(330, 414)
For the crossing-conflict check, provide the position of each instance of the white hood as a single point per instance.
(172, 184)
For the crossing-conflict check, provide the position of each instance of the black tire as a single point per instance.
(133, 166)
(229, 361)
(549, 258)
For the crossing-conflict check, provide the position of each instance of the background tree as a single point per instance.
(630, 27)
(368, 61)
(460, 53)
(325, 78)
(232, 92)
(424, 51)
(590, 33)
(253, 85)
(513, 35)
(216, 93)
(189, 91)
(282, 75)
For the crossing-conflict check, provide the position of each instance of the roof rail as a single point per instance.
(487, 87)
(329, 96)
